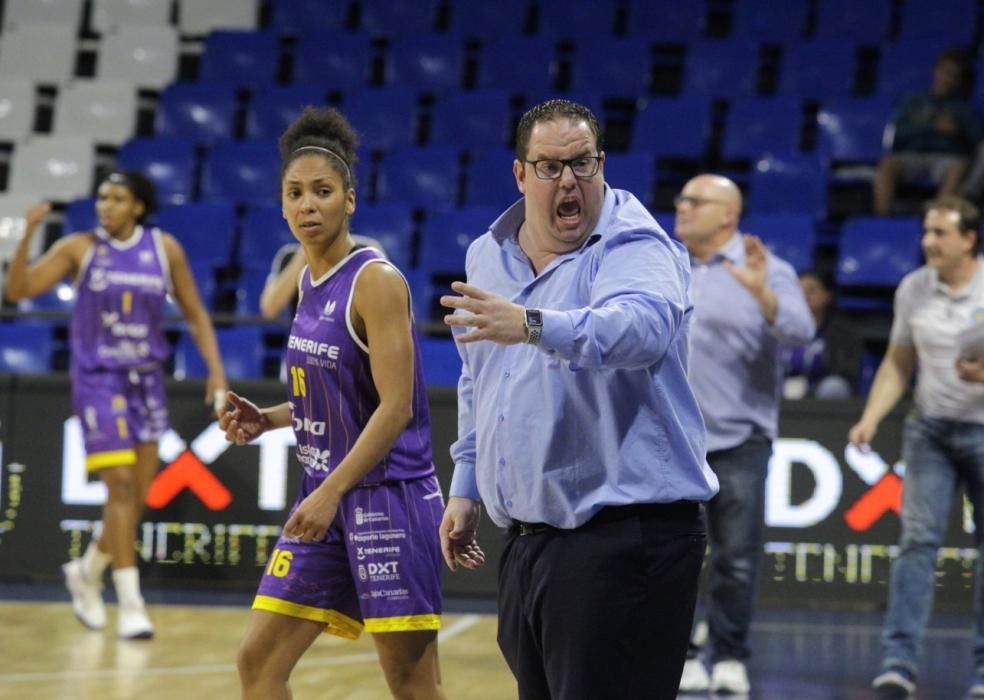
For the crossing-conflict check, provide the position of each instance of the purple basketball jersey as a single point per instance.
(330, 385)
(119, 310)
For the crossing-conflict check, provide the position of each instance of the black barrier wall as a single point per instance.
(215, 510)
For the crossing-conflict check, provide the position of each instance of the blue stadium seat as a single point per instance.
(721, 68)
(489, 178)
(25, 348)
(204, 229)
(262, 232)
(294, 16)
(675, 127)
(868, 22)
(876, 252)
(273, 108)
(427, 62)
(339, 61)
(390, 223)
(446, 235)
(484, 20)
(759, 125)
(790, 236)
(575, 21)
(471, 120)
(666, 220)
(242, 350)
(634, 171)
(170, 162)
(599, 65)
(522, 64)
(953, 22)
(249, 287)
(796, 183)
(205, 112)
(241, 172)
(853, 129)
(204, 273)
(667, 21)
(769, 21)
(907, 66)
(387, 18)
(80, 215)
(247, 59)
(822, 69)
(385, 118)
(441, 361)
(420, 176)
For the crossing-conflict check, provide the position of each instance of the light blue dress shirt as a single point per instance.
(735, 367)
(600, 412)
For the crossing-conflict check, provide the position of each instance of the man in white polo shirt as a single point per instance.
(944, 435)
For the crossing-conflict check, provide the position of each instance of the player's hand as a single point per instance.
(491, 316)
(970, 369)
(35, 215)
(753, 275)
(458, 529)
(312, 518)
(861, 435)
(216, 389)
(245, 422)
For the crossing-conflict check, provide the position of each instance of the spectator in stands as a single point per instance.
(357, 403)
(829, 366)
(123, 271)
(944, 434)
(934, 134)
(280, 289)
(578, 429)
(747, 305)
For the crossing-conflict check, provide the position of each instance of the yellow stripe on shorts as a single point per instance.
(403, 623)
(335, 622)
(116, 458)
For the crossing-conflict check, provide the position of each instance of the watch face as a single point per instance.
(534, 317)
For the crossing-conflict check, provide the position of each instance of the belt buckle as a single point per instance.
(525, 529)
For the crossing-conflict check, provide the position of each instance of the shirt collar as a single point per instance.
(733, 250)
(967, 290)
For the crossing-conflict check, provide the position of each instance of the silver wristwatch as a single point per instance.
(534, 325)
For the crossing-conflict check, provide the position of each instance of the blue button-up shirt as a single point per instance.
(600, 412)
(735, 366)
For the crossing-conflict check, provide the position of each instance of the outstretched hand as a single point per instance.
(245, 422)
(754, 273)
(491, 316)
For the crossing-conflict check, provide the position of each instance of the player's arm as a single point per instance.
(281, 287)
(200, 325)
(26, 280)
(382, 318)
(890, 383)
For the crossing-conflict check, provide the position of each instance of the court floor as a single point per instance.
(46, 655)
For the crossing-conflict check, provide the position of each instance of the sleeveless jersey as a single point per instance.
(117, 323)
(330, 385)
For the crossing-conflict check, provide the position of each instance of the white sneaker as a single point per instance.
(133, 623)
(695, 678)
(87, 602)
(730, 677)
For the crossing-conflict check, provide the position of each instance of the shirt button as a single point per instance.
(501, 418)
(509, 503)
(502, 462)
(507, 373)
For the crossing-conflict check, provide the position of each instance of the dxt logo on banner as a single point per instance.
(186, 467)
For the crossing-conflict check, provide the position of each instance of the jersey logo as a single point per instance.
(329, 308)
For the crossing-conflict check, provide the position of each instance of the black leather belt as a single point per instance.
(612, 513)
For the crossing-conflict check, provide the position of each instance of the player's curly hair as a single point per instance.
(321, 130)
(141, 187)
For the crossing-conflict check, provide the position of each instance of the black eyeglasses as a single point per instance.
(695, 201)
(583, 167)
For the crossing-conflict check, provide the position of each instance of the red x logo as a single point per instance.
(188, 472)
(884, 496)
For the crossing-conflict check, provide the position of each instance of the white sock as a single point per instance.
(95, 561)
(127, 583)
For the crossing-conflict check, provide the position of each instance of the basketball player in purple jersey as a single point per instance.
(360, 549)
(122, 272)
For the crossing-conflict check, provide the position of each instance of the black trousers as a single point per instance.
(602, 611)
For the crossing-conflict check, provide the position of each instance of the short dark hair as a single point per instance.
(141, 187)
(969, 216)
(548, 111)
(321, 129)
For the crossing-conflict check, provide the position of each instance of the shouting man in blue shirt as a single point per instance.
(577, 425)
(747, 305)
